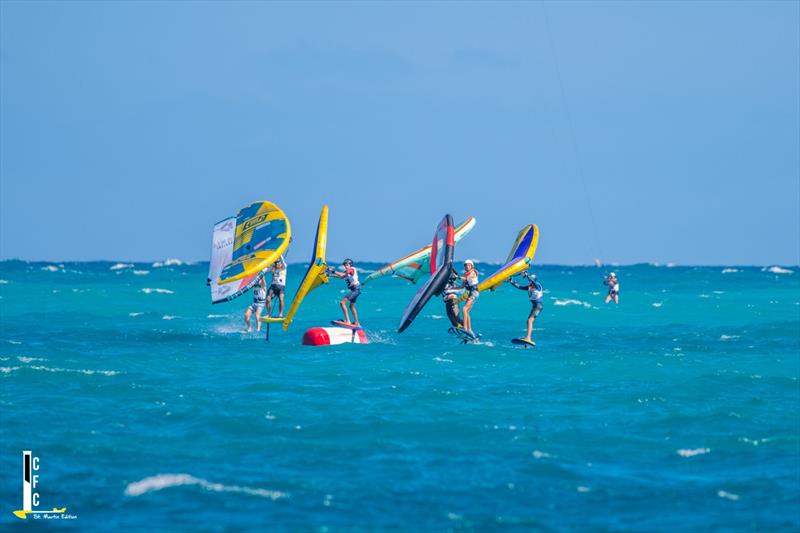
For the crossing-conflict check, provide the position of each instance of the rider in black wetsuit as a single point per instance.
(450, 297)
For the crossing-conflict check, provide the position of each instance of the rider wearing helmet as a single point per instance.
(613, 288)
(535, 295)
(350, 275)
(470, 285)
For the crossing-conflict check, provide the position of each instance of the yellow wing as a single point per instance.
(317, 269)
(262, 235)
(518, 259)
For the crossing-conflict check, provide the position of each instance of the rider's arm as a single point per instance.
(517, 285)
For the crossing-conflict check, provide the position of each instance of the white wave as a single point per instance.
(165, 481)
(728, 337)
(14, 342)
(670, 265)
(442, 360)
(141, 272)
(88, 372)
(658, 304)
(381, 337)
(3, 282)
(718, 292)
(216, 316)
(692, 452)
(8, 369)
(727, 495)
(754, 442)
(705, 296)
(26, 360)
(539, 454)
(573, 302)
(50, 268)
(228, 329)
(777, 270)
(169, 262)
(148, 290)
(135, 314)
(121, 266)
(169, 317)
(437, 317)
(730, 270)
(584, 489)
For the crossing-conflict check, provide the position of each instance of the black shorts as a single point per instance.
(275, 290)
(353, 295)
(536, 308)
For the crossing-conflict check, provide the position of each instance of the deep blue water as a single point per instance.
(678, 410)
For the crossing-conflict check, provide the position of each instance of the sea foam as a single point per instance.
(692, 452)
(165, 481)
(169, 262)
(148, 290)
(88, 372)
(587, 305)
(777, 270)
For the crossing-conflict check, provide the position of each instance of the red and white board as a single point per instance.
(330, 336)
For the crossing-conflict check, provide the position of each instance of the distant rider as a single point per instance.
(535, 294)
(259, 299)
(613, 288)
(278, 286)
(470, 285)
(350, 275)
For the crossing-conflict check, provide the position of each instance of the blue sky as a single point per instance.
(629, 131)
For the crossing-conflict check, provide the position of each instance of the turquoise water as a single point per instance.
(149, 409)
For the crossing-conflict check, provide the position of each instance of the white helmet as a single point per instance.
(613, 275)
(469, 262)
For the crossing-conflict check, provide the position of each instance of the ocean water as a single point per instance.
(149, 409)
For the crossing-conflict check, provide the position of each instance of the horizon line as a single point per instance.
(181, 262)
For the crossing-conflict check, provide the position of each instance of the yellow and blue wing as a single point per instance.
(519, 258)
(262, 235)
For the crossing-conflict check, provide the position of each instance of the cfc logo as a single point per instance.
(30, 494)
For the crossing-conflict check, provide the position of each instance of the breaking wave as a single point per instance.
(169, 263)
(148, 290)
(166, 481)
